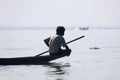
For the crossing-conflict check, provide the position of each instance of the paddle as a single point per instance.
(66, 43)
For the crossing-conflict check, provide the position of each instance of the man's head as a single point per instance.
(60, 30)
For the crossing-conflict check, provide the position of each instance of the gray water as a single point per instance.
(95, 57)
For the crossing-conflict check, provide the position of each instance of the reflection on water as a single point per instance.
(49, 71)
(58, 70)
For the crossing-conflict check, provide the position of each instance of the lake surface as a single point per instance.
(95, 57)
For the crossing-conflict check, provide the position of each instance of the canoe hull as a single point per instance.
(28, 60)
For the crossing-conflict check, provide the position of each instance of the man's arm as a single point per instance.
(64, 44)
(47, 41)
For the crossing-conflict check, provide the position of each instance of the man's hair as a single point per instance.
(60, 30)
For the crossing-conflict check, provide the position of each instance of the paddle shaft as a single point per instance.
(66, 43)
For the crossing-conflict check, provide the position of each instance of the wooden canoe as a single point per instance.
(29, 60)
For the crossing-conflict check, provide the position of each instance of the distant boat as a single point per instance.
(83, 28)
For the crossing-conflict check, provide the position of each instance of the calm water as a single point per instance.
(95, 57)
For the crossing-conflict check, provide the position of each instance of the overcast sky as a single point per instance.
(59, 12)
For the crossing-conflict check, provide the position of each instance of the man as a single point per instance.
(56, 43)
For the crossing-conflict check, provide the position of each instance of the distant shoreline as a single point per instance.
(51, 28)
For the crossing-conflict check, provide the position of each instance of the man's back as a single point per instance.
(55, 43)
